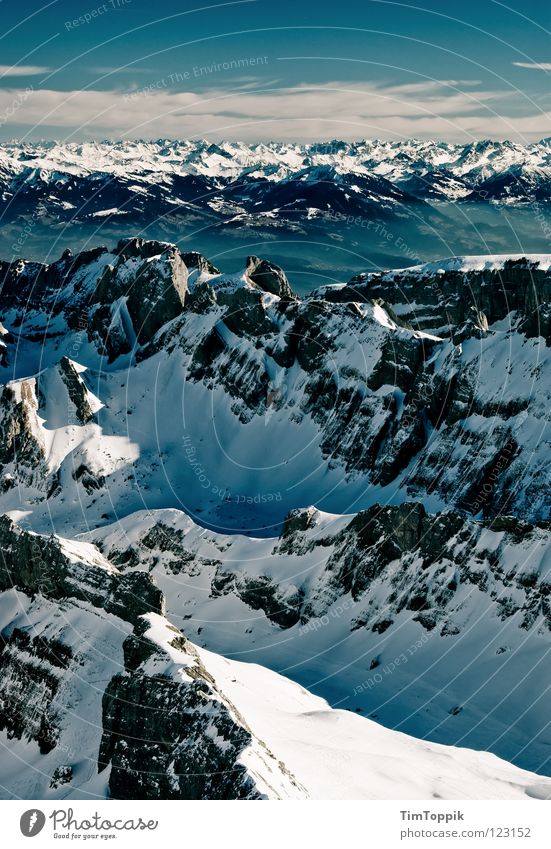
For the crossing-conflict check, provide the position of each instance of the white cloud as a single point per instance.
(540, 66)
(22, 70)
(436, 109)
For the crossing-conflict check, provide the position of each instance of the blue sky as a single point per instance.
(257, 70)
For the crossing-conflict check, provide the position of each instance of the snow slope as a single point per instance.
(299, 747)
(173, 415)
(336, 754)
(453, 667)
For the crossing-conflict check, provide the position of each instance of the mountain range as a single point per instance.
(270, 177)
(234, 518)
(322, 211)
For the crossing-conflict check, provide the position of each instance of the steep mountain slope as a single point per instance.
(379, 391)
(430, 623)
(104, 695)
(350, 488)
(99, 698)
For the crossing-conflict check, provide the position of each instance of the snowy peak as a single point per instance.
(362, 377)
(123, 183)
(486, 262)
(323, 483)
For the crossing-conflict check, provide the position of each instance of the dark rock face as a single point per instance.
(30, 562)
(31, 670)
(76, 389)
(155, 290)
(244, 314)
(306, 340)
(62, 774)
(451, 298)
(295, 522)
(423, 561)
(482, 495)
(33, 285)
(168, 732)
(137, 248)
(152, 303)
(270, 277)
(132, 293)
(380, 393)
(133, 595)
(108, 332)
(19, 444)
(197, 262)
(37, 564)
(261, 593)
(87, 478)
(168, 739)
(378, 536)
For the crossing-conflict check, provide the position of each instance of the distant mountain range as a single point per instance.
(133, 181)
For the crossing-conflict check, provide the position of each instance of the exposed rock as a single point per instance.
(31, 672)
(20, 443)
(450, 298)
(271, 278)
(62, 774)
(197, 262)
(245, 314)
(76, 389)
(169, 737)
(156, 298)
(38, 564)
(168, 732)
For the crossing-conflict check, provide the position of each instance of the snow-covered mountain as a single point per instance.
(350, 488)
(136, 180)
(381, 390)
(102, 696)
(323, 211)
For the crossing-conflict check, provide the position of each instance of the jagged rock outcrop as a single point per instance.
(161, 722)
(450, 297)
(125, 710)
(170, 736)
(21, 447)
(31, 672)
(38, 564)
(395, 604)
(77, 390)
(421, 559)
(271, 278)
(152, 279)
(195, 261)
(144, 379)
(388, 402)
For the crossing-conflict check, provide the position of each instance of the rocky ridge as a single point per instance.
(100, 699)
(161, 406)
(160, 724)
(394, 388)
